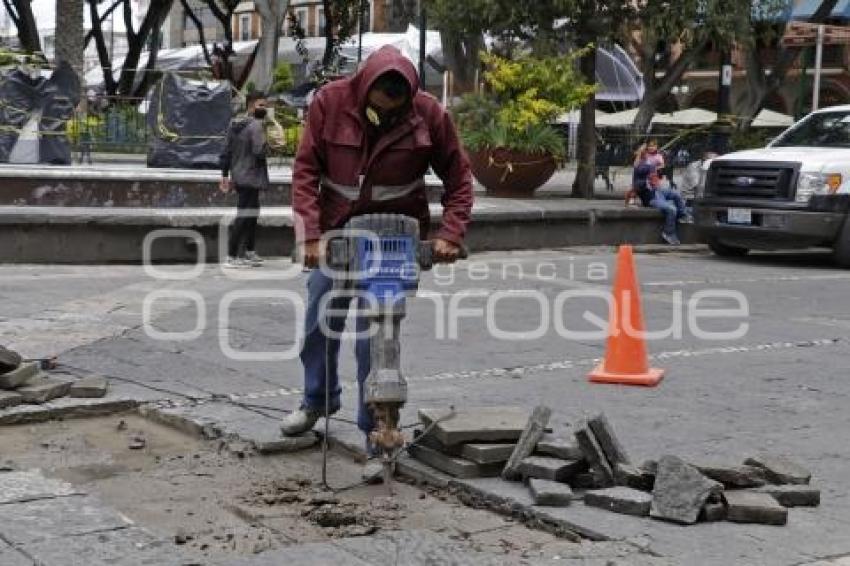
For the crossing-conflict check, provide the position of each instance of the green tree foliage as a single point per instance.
(283, 78)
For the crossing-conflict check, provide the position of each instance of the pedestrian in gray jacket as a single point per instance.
(245, 168)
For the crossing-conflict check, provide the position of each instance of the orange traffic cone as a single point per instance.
(625, 356)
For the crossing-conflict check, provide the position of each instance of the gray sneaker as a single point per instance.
(299, 422)
(254, 259)
(671, 239)
(235, 263)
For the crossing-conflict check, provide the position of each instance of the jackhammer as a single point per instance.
(380, 257)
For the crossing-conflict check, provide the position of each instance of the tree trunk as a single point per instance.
(20, 12)
(586, 147)
(70, 36)
(460, 53)
(272, 14)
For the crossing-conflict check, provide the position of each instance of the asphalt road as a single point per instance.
(771, 377)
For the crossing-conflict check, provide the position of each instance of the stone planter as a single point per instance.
(507, 173)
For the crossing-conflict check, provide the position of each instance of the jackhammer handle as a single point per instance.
(426, 254)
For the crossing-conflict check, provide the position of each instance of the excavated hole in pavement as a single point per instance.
(201, 495)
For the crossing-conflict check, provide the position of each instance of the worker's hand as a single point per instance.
(445, 251)
(224, 185)
(312, 253)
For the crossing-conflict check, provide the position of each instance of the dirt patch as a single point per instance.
(200, 495)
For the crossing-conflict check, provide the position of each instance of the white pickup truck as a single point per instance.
(794, 193)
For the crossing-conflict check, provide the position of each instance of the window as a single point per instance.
(245, 27)
(322, 22)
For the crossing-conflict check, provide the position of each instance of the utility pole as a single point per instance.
(724, 103)
(360, 23)
(423, 28)
(818, 67)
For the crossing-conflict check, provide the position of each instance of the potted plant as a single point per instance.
(507, 128)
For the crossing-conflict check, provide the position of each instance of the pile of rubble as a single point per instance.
(594, 467)
(25, 382)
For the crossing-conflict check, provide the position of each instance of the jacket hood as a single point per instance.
(384, 60)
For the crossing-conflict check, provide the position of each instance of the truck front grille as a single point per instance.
(752, 179)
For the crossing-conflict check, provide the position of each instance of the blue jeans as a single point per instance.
(672, 204)
(313, 354)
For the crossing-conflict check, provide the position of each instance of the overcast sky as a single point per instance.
(45, 16)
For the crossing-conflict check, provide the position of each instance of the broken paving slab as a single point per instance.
(632, 476)
(10, 399)
(548, 468)
(18, 377)
(485, 424)
(792, 495)
(731, 475)
(551, 445)
(93, 386)
(747, 506)
(41, 389)
(780, 469)
(713, 512)
(550, 493)
(624, 500)
(680, 491)
(434, 443)
(453, 465)
(487, 453)
(22, 486)
(534, 430)
(9, 360)
(608, 441)
(595, 457)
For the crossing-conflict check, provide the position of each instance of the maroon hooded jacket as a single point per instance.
(337, 177)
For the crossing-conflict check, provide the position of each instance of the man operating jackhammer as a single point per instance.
(368, 143)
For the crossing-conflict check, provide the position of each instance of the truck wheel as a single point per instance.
(841, 249)
(726, 251)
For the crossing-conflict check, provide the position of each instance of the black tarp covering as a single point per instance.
(21, 95)
(188, 121)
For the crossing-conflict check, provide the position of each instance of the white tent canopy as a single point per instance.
(687, 117)
(770, 119)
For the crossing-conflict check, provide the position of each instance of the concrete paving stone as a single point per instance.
(415, 548)
(595, 456)
(534, 430)
(130, 546)
(18, 377)
(9, 556)
(9, 360)
(21, 486)
(10, 399)
(780, 469)
(680, 491)
(421, 473)
(585, 480)
(632, 476)
(453, 465)
(731, 475)
(310, 554)
(548, 468)
(432, 442)
(34, 521)
(792, 495)
(550, 493)
(620, 499)
(41, 389)
(745, 506)
(551, 445)
(712, 512)
(485, 424)
(487, 453)
(608, 441)
(93, 386)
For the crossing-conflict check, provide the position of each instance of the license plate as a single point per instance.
(739, 216)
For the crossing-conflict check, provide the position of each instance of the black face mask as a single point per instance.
(260, 113)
